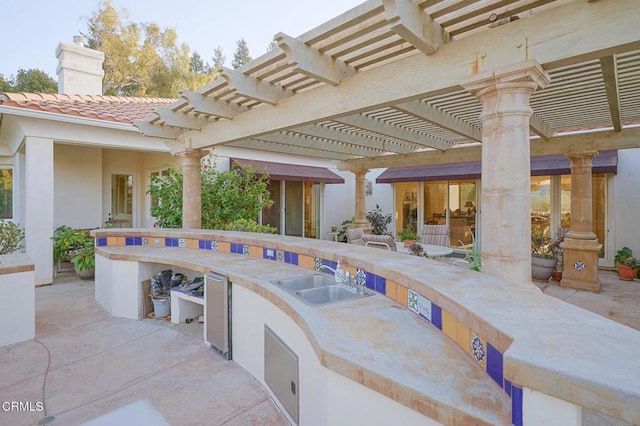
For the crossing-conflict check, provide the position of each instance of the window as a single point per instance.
(6, 194)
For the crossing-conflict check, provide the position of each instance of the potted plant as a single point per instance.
(626, 263)
(84, 262)
(408, 236)
(378, 221)
(543, 262)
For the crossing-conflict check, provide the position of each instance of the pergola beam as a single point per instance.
(321, 143)
(600, 141)
(206, 105)
(377, 126)
(290, 149)
(179, 119)
(540, 127)
(253, 88)
(157, 130)
(410, 22)
(610, 74)
(381, 145)
(311, 62)
(440, 118)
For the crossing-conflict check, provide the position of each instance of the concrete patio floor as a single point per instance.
(89, 364)
(89, 367)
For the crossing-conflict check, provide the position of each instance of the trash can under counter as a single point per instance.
(217, 313)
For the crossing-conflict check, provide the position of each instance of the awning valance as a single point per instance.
(291, 172)
(604, 162)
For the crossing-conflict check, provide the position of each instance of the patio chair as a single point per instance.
(357, 236)
(437, 235)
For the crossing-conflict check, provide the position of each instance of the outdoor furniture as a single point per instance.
(357, 236)
(433, 251)
(435, 234)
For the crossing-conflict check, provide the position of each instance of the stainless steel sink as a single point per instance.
(318, 290)
(305, 282)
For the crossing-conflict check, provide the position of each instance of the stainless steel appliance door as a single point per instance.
(217, 313)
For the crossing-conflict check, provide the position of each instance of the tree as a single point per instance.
(241, 55)
(196, 64)
(34, 81)
(140, 59)
(218, 61)
(5, 86)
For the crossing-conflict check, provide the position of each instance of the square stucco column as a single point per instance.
(581, 247)
(191, 189)
(38, 206)
(506, 170)
(361, 195)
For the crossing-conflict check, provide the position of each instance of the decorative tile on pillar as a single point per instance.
(479, 349)
(580, 266)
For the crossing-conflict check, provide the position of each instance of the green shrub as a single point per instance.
(249, 225)
(378, 221)
(11, 237)
(67, 241)
(85, 258)
(239, 193)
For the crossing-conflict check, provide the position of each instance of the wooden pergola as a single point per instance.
(404, 82)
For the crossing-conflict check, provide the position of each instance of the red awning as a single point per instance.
(545, 165)
(291, 172)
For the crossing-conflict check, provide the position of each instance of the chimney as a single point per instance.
(79, 68)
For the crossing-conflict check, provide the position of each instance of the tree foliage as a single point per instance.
(227, 196)
(30, 81)
(140, 59)
(241, 55)
(218, 60)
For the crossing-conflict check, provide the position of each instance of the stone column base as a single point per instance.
(580, 260)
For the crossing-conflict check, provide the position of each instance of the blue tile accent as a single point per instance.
(436, 315)
(236, 248)
(101, 242)
(516, 405)
(128, 241)
(329, 263)
(381, 285)
(266, 255)
(507, 387)
(137, 241)
(171, 242)
(371, 281)
(494, 364)
(204, 244)
(294, 258)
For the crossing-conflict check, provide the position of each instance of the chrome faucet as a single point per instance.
(345, 278)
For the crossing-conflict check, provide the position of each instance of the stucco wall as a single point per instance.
(77, 183)
(624, 201)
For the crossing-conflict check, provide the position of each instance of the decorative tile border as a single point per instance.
(484, 353)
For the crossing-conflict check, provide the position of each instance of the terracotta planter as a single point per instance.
(409, 243)
(626, 272)
(542, 267)
(556, 276)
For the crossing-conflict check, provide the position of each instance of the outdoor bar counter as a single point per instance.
(436, 342)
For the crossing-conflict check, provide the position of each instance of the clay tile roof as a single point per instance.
(119, 109)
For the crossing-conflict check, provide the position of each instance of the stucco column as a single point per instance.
(191, 189)
(361, 196)
(581, 247)
(39, 206)
(506, 177)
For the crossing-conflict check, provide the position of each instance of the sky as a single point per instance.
(32, 29)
